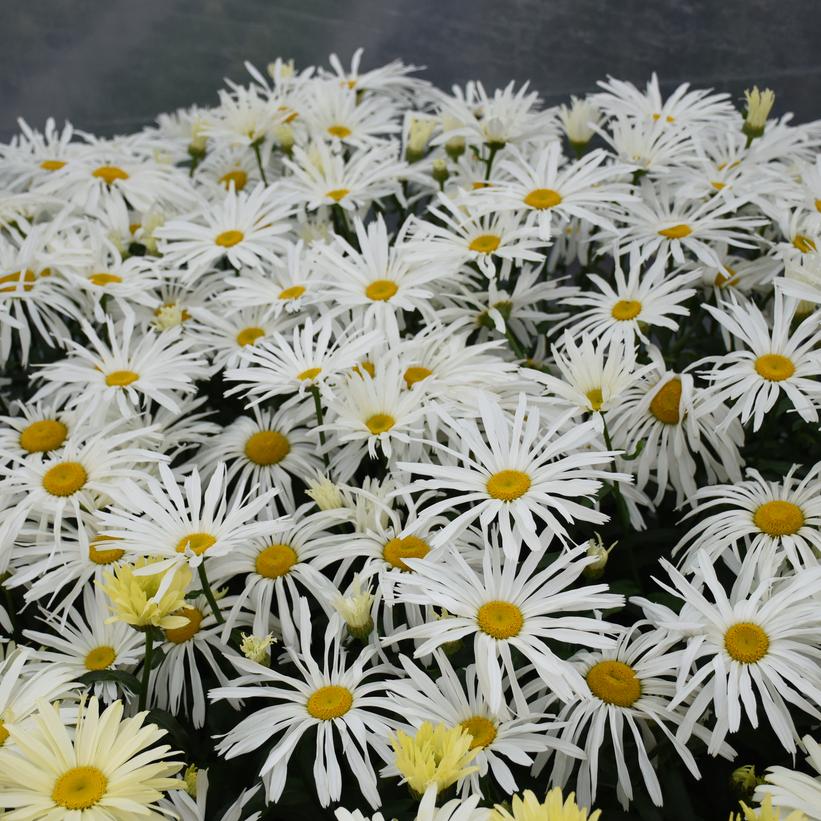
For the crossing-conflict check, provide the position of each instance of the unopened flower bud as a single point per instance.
(325, 494)
(190, 779)
(355, 609)
(596, 548)
(419, 132)
(759, 105)
(440, 171)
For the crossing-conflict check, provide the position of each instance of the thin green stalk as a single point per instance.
(149, 647)
(255, 146)
(320, 419)
(209, 594)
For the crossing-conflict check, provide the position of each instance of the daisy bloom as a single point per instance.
(109, 769)
(792, 790)
(773, 361)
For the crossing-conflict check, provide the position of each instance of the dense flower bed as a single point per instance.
(374, 449)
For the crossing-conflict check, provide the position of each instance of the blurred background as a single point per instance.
(110, 66)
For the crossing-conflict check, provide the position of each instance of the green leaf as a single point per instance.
(127, 680)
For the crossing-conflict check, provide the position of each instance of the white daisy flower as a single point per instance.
(332, 696)
(756, 645)
(774, 360)
(791, 790)
(506, 608)
(759, 522)
(514, 470)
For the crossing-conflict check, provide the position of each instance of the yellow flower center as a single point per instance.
(485, 243)
(718, 185)
(309, 374)
(543, 198)
(51, 165)
(249, 335)
(198, 542)
(228, 239)
(267, 447)
(774, 367)
(100, 657)
(381, 290)
(276, 560)
(340, 131)
(397, 550)
(779, 518)
(43, 436)
(109, 173)
(508, 485)
(746, 642)
(380, 423)
(329, 702)
(64, 478)
(119, 379)
(665, 404)
(4, 733)
(804, 243)
(721, 280)
(614, 682)
(338, 194)
(366, 366)
(294, 292)
(80, 788)
(16, 278)
(596, 398)
(102, 279)
(818, 205)
(237, 176)
(416, 373)
(626, 309)
(481, 729)
(104, 556)
(676, 231)
(500, 619)
(180, 635)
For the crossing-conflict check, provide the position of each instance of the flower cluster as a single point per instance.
(437, 455)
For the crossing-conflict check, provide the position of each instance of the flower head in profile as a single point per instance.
(138, 599)
(555, 807)
(436, 755)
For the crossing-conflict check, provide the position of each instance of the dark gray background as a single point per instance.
(111, 65)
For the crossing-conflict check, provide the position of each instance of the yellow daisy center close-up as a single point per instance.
(275, 560)
(543, 198)
(337, 194)
(237, 176)
(665, 404)
(52, 165)
(340, 131)
(104, 555)
(416, 373)
(80, 788)
(381, 290)
(774, 367)
(100, 657)
(482, 731)
(309, 374)
(197, 542)
(804, 243)
(626, 309)
(43, 436)
(595, 397)
(779, 518)
(64, 478)
(614, 682)
(180, 635)
(746, 642)
(378, 423)
(676, 231)
(508, 485)
(249, 335)
(4, 733)
(230, 238)
(120, 379)
(294, 292)
(329, 702)
(485, 243)
(500, 619)
(109, 173)
(103, 278)
(267, 447)
(409, 547)
(16, 278)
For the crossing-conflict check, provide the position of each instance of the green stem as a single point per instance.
(514, 343)
(209, 594)
(255, 146)
(621, 507)
(493, 150)
(149, 647)
(320, 419)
